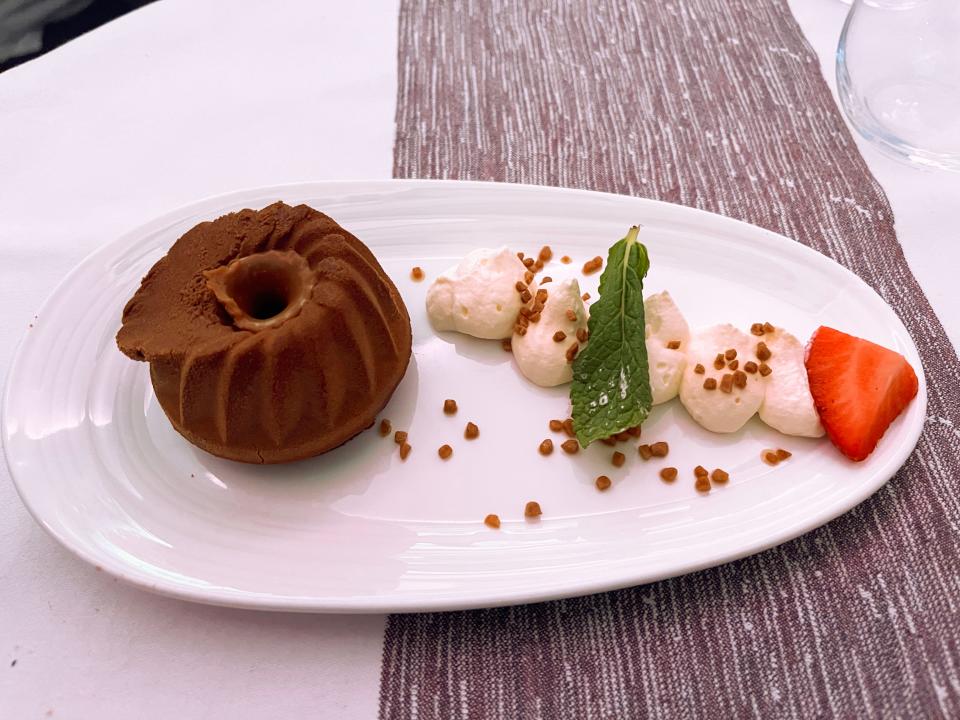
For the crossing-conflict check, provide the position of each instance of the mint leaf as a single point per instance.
(611, 379)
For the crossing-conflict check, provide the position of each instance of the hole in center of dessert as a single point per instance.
(265, 305)
(262, 287)
(262, 290)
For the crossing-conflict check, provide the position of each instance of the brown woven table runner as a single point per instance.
(718, 104)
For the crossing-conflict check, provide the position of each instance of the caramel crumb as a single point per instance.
(634, 431)
(702, 484)
(546, 254)
(740, 379)
(710, 384)
(520, 286)
(572, 352)
(538, 266)
(609, 441)
(571, 446)
(450, 407)
(733, 364)
(507, 344)
(730, 354)
(726, 383)
(566, 260)
(618, 459)
(756, 329)
(783, 454)
(542, 296)
(520, 255)
(525, 296)
(546, 447)
(471, 432)
(750, 366)
(659, 449)
(591, 266)
(718, 362)
(535, 317)
(603, 483)
(405, 450)
(492, 521)
(668, 474)
(700, 471)
(528, 277)
(767, 327)
(622, 436)
(770, 457)
(559, 336)
(582, 335)
(532, 509)
(765, 369)
(416, 274)
(673, 345)
(763, 352)
(719, 476)
(529, 262)
(385, 428)
(445, 451)
(699, 369)
(645, 452)
(571, 315)
(545, 279)
(568, 427)
(400, 437)
(585, 297)
(556, 425)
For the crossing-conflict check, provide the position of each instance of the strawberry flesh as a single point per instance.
(858, 388)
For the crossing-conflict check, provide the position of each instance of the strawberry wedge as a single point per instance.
(858, 388)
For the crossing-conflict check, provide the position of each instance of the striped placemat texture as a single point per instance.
(717, 104)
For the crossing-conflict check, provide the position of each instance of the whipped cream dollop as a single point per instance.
(666, 327)
(787, 404)
(541, 358)
(478, 296)
(716, 410)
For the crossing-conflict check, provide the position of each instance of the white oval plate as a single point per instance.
(357, 530)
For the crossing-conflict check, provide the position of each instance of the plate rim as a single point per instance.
(378, 604)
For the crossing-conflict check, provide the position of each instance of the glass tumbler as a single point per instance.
(898, 76)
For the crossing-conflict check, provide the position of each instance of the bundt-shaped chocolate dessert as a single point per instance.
(272, 335)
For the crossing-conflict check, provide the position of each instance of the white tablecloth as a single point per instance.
(175, 102)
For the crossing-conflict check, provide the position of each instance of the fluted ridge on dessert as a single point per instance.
(279, 393)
